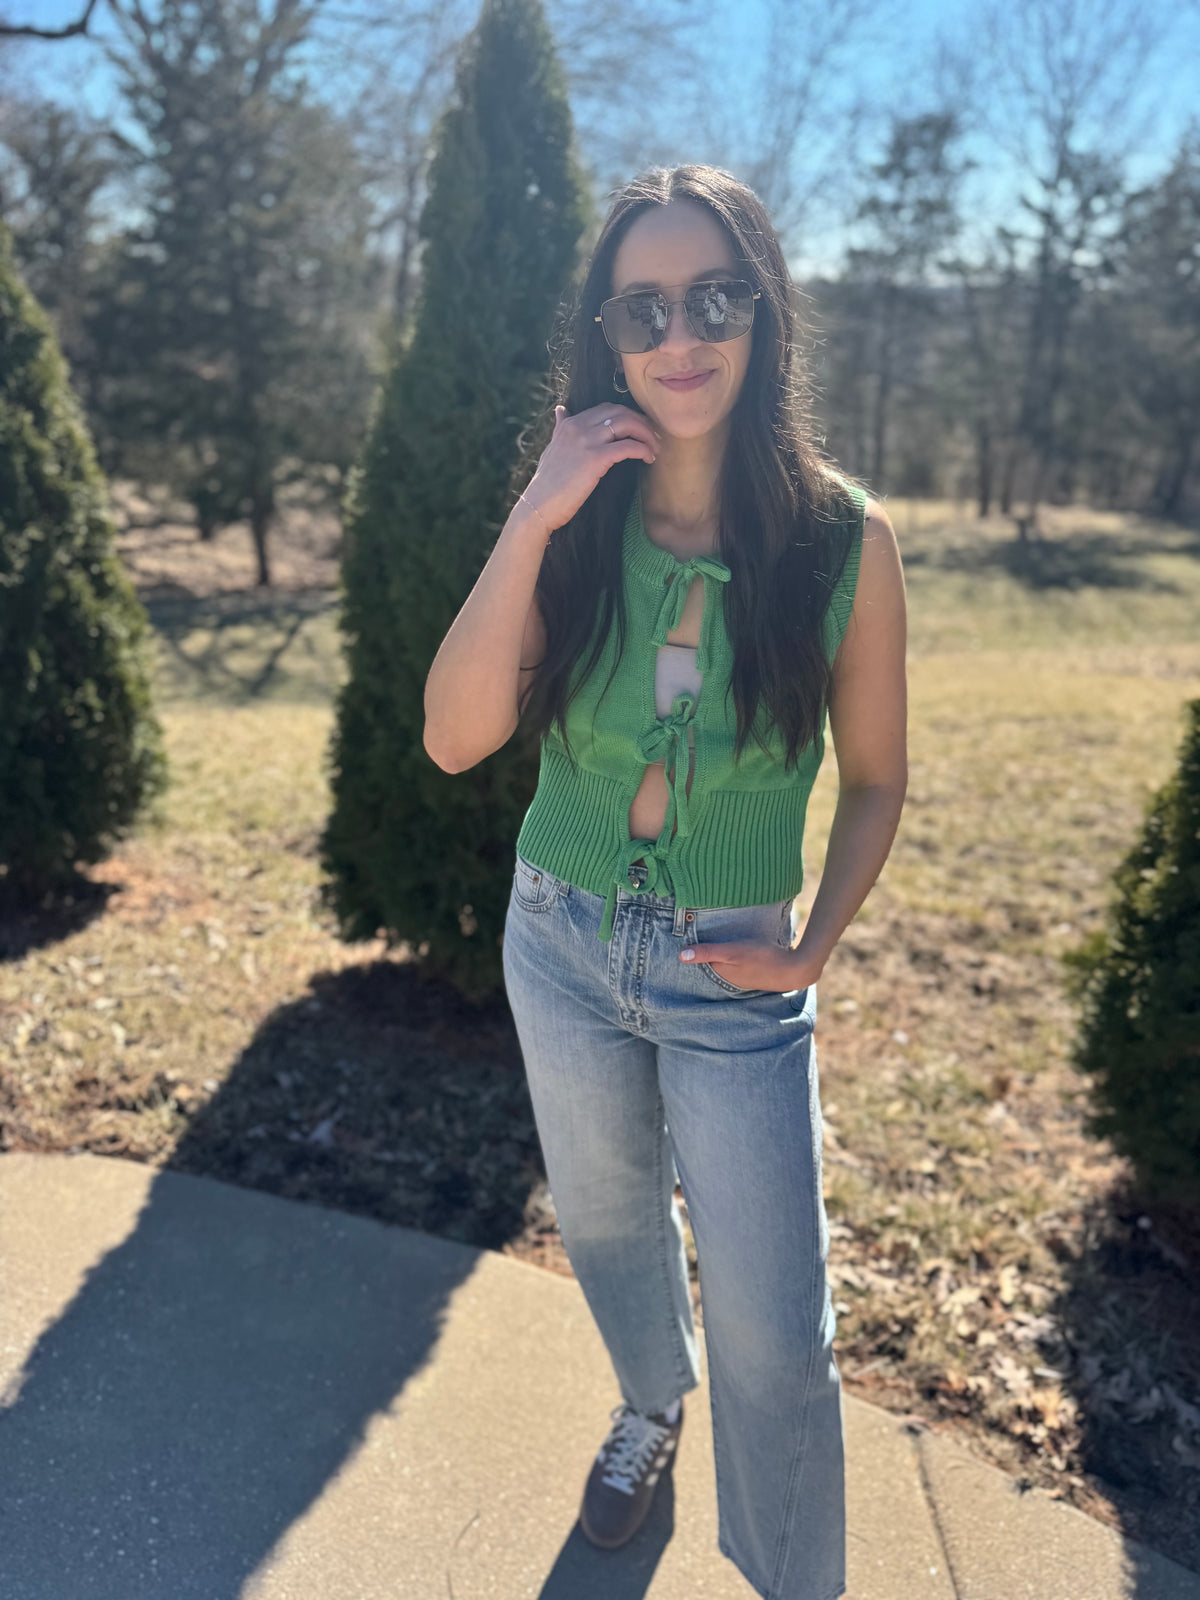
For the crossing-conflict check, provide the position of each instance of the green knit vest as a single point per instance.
(739, 834)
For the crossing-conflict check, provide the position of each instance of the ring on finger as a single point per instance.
(608, 424)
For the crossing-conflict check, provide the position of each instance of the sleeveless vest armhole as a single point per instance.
(841, 604)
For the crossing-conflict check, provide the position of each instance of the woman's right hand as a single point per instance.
(580, 452)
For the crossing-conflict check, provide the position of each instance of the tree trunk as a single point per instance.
(1173, 479)
(260, 520)
(1008, 480)
(883, 391)
(983, 468)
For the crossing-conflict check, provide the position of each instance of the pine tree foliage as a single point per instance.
(421, 853)
(1139, 980)
(234, 322)
(80, 750)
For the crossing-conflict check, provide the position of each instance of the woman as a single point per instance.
(713, 588)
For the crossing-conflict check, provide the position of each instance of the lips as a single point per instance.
(688, 380)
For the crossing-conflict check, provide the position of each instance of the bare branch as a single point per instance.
(70, 31)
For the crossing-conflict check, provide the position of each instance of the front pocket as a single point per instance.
(533, 888)
(730, 925)
(731, 988)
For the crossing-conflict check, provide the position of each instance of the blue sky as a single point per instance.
(891, 63)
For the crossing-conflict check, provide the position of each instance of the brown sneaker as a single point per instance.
(625, 1474)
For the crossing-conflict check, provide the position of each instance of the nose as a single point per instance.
(678, 328)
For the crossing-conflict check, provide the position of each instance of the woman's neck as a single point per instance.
(681, 496)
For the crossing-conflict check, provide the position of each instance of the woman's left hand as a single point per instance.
(756, 964)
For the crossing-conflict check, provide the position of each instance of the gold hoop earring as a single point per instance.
(617, 373)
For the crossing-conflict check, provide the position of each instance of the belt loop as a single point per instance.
(680, 919)
(604, 932)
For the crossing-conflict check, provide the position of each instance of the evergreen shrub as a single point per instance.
(80, 749)
(1139, 981)
(418, 854)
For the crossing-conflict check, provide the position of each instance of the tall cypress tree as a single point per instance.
(80, 751)
(418, 852)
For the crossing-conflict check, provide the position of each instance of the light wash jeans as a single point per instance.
(642, 1068)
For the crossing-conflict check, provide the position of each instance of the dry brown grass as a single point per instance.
(992, 1271)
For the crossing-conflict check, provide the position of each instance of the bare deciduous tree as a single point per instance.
(1066, 99)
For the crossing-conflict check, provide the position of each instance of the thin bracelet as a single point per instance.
(545, 524)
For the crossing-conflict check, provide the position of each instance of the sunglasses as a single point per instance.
(716, 310)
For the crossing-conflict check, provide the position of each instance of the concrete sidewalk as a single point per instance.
(212, 1393)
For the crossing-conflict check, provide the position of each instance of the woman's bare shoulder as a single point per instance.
(876, 514)
(881, 569)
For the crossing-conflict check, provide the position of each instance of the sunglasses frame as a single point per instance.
(755, 294)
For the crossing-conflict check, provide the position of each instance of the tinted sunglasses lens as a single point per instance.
(634, 323)
(720, 311)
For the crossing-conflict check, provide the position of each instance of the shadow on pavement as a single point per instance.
(205, 1384)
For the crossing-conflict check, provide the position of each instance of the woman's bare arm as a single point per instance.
(472, 689)
(484, 666)
(868, 717)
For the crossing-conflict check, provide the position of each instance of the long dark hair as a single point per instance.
(785, 512)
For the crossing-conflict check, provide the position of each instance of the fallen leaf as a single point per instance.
(1012, 1375)
(961, 1299)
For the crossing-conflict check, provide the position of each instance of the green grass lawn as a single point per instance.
(990, 1271)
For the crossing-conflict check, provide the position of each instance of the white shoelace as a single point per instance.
(633, 1442)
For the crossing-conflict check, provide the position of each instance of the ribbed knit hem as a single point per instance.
(747, 848)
